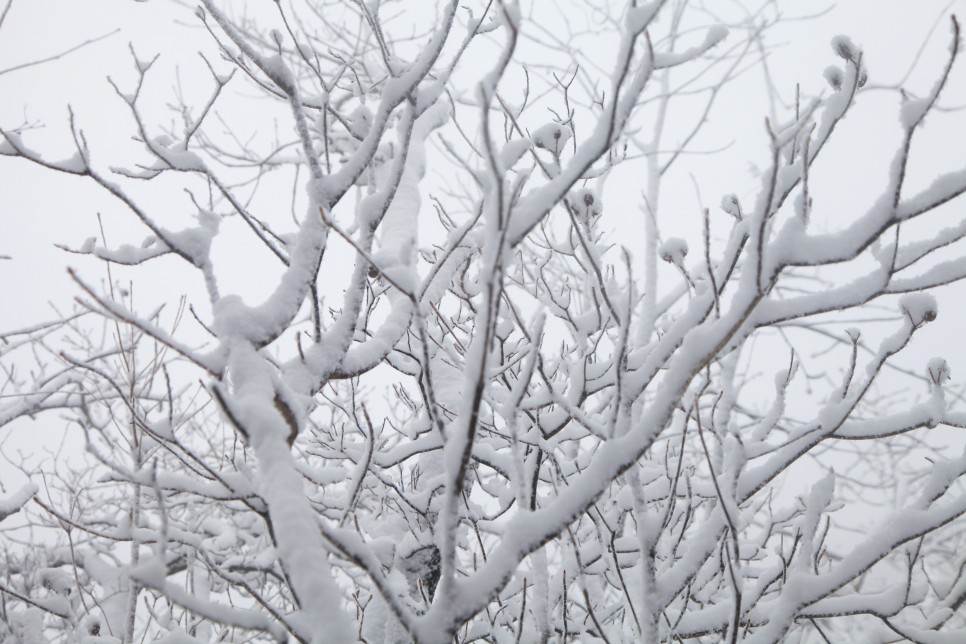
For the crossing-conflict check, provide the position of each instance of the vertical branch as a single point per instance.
(459, 442)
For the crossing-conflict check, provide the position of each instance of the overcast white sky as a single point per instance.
(38, 209)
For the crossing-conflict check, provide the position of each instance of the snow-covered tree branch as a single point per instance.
(456, 399)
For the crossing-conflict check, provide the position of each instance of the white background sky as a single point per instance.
(38, 209)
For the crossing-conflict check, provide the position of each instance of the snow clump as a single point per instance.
(939, 371)
(552, 137)
(834, 77)
(731, 205)
(845, 48)
(673, 251)
(587, 203)
(920, 307)
(512, 152)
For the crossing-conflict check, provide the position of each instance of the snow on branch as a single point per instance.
(442, 352)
